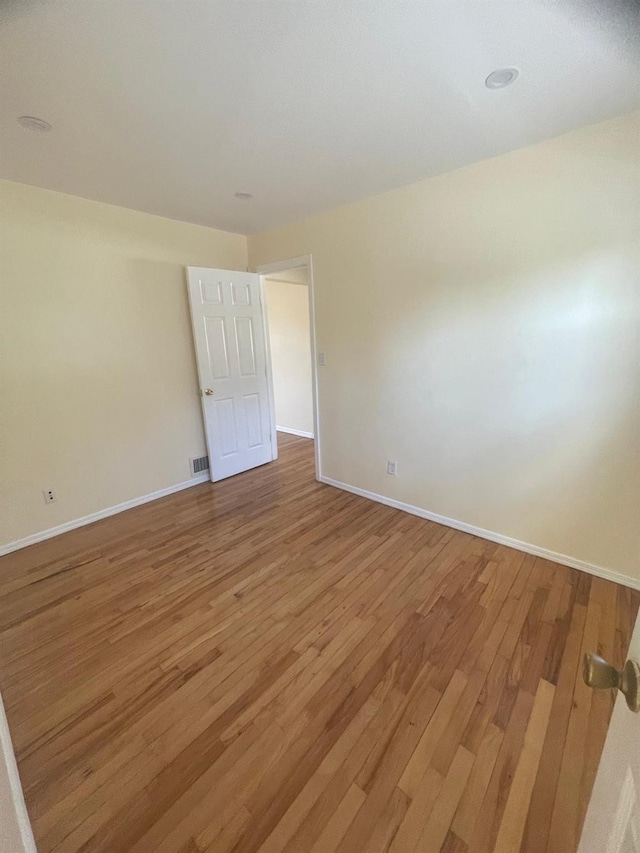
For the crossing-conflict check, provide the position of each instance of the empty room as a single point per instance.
(319, 426)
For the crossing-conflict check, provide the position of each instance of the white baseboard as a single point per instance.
(14, 822)
(528, 548)
(299, 432)
(103, 513)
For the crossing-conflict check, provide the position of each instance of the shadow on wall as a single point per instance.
(529, 394)
(169, 374)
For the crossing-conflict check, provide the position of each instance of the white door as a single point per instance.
(612, 824)
(231, 352)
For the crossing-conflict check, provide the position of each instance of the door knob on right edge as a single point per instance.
(598, 673)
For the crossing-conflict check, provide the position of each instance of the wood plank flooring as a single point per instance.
(271, 664)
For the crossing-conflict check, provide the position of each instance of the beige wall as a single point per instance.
(482, 329)
(290, 337)
(98, 384)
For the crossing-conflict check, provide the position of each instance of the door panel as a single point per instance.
(254, 419)
(246, 352)
(240, 294)
(217, 352)
(211, 292)
(231, 352)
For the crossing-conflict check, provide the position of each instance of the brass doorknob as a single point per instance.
(208, 392)
(598, 673)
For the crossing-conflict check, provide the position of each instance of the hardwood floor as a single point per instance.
(271, 664)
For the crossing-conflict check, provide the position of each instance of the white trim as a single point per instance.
(281, 266)
(103, 513)
(287, 281)
(537, 551)
(11, 769)
(299, 432)
(305, 261)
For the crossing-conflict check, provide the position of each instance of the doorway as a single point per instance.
(229, 315)
(287, 305)
(287, 290)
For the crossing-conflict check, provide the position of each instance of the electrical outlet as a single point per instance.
(50, 496)
(392, 468)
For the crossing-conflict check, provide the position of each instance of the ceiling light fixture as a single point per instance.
(501, 77)
(37, 125)
(243, 196)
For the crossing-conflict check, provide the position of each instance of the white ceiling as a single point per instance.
(171, 106)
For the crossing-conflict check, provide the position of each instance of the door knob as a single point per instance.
(598, 673)
(208, 392)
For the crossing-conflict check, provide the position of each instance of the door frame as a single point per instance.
(264, 270)
(14, 820)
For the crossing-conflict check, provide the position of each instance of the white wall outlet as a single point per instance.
(322, 359)
(392, 468)
(50, 496)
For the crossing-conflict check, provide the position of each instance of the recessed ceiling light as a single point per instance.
(501, 77)
(37, 125)
(244, 196)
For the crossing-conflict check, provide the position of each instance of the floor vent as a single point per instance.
(199, 465)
